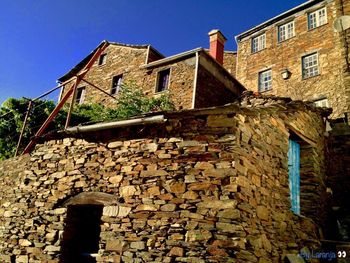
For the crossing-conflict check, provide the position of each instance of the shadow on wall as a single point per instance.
(81, 233)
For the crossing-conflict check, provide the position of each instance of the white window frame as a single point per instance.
(258, 43)
(310, 68)
(322, 103)
(265, 80)
(81, 99)
(286, 31)
(317, 18)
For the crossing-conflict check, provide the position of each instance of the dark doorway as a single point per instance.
(81, 234)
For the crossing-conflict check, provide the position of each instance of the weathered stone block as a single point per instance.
(262, 212)
(198, 235)
(218, 204)
(126, 191)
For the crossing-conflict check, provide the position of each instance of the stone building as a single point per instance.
(200, 185)
(193, 79)
(302, 53)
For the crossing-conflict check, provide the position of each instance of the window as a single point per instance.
(102, 59)
(317, 18)
(265, 80)
(80, 95)
(322, 103)
(163, 80)
(310, 65)
(286, 31)
(116, 84)
(258, 43)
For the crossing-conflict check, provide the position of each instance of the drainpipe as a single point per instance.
(116, 124)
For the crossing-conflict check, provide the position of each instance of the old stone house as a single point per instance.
(199, 185)
(302, 53)
(193, 79)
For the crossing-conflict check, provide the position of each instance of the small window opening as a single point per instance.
(116, 84)
(163, 80)
(102, 59)
(322, 103)
(80, 95)
(265, 80)
(81, 233)
(310, 65)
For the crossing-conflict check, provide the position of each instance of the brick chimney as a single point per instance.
(217, 44)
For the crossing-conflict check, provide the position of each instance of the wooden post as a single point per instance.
(24, 126)
(65, 98)
(69, 114)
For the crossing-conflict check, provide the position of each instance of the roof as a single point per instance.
(180, 56)
(278, 18)
(83, 62)
(192, 53)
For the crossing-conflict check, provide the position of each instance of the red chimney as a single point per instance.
(217, 44)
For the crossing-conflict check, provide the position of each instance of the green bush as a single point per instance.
(131, 102)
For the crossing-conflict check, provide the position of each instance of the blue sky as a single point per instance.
(41, 40)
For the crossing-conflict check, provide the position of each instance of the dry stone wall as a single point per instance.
(205, 186)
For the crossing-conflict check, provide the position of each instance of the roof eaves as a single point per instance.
(278, 17)
(173, 58)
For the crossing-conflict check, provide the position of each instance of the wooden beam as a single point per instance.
(94, 86)
(80, 76)
(24, 126)
(66, 97)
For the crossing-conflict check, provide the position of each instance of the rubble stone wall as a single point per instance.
(205, 186)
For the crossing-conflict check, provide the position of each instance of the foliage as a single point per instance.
(131, 102)
(12, 113)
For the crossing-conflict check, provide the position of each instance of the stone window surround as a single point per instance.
(80, 99)
(316, 10)
(102, 59)
(258, 37)
(157, 79)
(302, 64)
(120, 82)
(259, 82)
(285, 23)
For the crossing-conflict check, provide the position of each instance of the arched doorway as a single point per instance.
(81, 236)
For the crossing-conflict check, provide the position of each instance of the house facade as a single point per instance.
(193, 78)
(302, 53)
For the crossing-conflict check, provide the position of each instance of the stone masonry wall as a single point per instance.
(230, 62)
(210, 91)
(181, 82)
(127, 61)
(119, 60)
(339, 182)
(205, 186)
(332, 81)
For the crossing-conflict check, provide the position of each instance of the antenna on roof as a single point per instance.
(341, 23)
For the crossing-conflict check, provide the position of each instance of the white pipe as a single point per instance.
(115, 124)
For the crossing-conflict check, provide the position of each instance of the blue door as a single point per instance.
(294, 175)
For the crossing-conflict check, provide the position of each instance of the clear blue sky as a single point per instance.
(41, 40)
